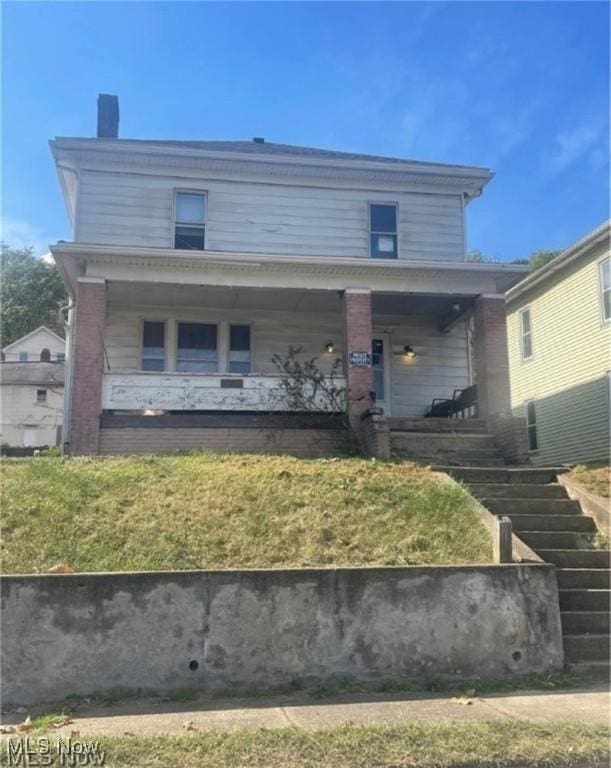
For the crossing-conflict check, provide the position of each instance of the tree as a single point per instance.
(541, 258)
(31, 294)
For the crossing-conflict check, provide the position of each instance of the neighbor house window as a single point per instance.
(153, 345)
(526, 334)
(60, 357)
(197, 348)
(605, 288)
(531, 424)
(239, 349)
(383, 231)
(190, 221)
(23, 357)
(41, 395)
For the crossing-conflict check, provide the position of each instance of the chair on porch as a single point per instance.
(462, 404)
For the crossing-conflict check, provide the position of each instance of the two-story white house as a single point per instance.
(193, 263)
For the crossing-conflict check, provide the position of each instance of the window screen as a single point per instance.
(239, 349)
(153, 345)
(197, 348)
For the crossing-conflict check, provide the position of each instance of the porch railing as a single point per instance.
(195, 392)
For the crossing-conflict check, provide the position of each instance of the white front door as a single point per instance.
(380, 362)
(30, 436)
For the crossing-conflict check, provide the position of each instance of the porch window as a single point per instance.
(605, 288)
(197, 348)
(383, 230)
(239, 349)
(190, 221)
(153, 345)
(526, 334)
(531, 425)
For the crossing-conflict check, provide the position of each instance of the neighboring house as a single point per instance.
(194, 262)
(32, 390)
(559, 328)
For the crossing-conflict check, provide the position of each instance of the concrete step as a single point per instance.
(520, 475)
(461, 426)
(598, 672)
(574, 523)
(432, 442)
(518, 491)
(586, 622)
(577, 558)
(586, 647)
(556, 539)
(584, 599)
(532, 506)
(584, 578)
(462, 459)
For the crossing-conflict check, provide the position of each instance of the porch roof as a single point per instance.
(145, 264)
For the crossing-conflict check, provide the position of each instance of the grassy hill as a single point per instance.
(231, 511)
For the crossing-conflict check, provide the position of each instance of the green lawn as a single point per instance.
(595, 478)
(231, 511)
(425, 745)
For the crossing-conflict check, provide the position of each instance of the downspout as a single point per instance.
(69, 310)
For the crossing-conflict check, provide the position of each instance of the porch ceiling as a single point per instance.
(221, 297)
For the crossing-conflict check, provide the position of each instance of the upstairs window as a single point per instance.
(605, 288)
(197, 348)
(45, 355)
(239, 349)
(383, 230)
(41, 395)
(526, 342)
(190, 221)
(23, 357)
(60, 357)
(153, 345)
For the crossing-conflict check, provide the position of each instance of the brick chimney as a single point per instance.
(108, 116)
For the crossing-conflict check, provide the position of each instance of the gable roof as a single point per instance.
(601, 234)
(32, 333)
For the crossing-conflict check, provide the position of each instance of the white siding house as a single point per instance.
(193, 263)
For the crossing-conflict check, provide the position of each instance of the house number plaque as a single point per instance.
(360, 359)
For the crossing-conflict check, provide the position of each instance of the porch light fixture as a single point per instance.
(409, 351)
(330, 346)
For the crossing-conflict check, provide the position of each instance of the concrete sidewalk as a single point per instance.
(155, 716)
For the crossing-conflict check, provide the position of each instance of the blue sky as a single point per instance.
(519, 87)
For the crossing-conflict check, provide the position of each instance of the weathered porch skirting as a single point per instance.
(166, 631)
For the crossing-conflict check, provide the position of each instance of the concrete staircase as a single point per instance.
(454, 442)
(554, 527)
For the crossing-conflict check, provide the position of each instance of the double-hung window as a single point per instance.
(383, 230)
(190, 221)
(153, 345)
(23, 357)
(239, 349)
(197, 350)
(605, 288)
(41, 395)
(531, 425)
(526, 342)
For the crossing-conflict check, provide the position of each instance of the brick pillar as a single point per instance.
(490, 356)
(87, 349)
(357, 338)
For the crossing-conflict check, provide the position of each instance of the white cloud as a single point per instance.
(581, 142)
(21, 234)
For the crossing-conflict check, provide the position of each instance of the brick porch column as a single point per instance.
(87, 349)
(490, 356)
(357, 338)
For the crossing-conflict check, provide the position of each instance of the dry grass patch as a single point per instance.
(595, 479)
(231, 511)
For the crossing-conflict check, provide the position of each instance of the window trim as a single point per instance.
(532, 401)
(175, 223)
(522, 312)
(370, 233)
(601, 290)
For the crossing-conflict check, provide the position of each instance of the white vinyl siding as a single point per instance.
(131, 209)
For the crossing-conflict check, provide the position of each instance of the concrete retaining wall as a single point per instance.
(160, 631)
